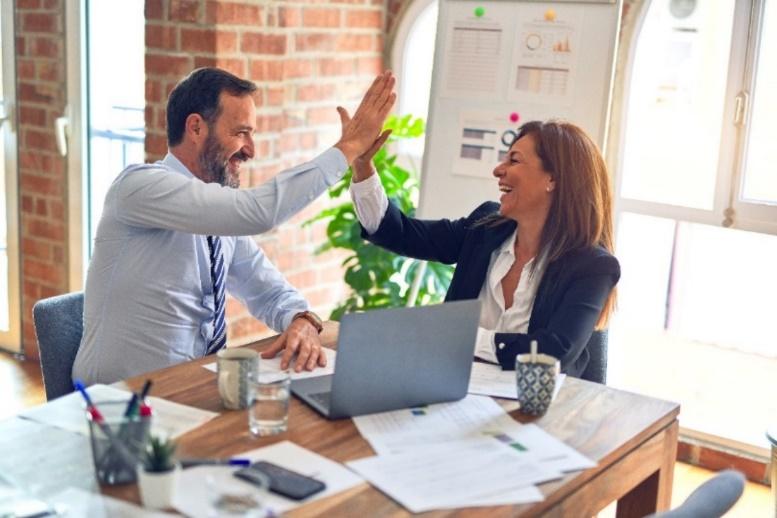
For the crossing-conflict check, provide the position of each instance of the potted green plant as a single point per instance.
(158, 473)
(379, 278)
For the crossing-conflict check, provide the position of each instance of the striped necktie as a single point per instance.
(219, 339)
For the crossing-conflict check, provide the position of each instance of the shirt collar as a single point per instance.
(171, 161)
(508, 245)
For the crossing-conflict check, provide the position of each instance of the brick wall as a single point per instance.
(306, 57)
(40, 49)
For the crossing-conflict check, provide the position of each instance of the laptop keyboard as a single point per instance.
(322, 398)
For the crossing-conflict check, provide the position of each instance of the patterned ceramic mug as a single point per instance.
(236, 367)
(536, 381)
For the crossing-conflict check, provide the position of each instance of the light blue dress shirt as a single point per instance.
(149, 295)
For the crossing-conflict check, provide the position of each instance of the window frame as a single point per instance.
(11, 340)
(729, 210)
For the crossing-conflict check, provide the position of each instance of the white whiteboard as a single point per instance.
(498, 64)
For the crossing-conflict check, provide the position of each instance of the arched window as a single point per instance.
(697, 211)
(412, 56)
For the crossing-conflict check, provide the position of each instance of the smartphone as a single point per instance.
(282, 481)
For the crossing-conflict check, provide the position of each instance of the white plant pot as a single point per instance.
(157, 490)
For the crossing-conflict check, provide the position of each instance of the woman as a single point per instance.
(540, 261)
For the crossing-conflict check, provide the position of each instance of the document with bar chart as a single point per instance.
(545, 54)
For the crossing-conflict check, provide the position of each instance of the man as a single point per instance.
(174, 235)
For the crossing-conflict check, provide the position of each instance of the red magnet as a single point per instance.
(514, 117)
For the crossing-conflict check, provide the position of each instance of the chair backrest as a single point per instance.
(596, 370)
(59, 324)
(712, 499)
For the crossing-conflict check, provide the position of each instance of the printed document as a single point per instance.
(471, 473)
(67, 412)
(200, 487)
(275, 364)
(490, 380)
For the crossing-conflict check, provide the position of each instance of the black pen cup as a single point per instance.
(118, 442)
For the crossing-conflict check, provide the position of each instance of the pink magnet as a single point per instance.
(514, 117)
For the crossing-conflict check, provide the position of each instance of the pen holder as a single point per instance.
(117, 442)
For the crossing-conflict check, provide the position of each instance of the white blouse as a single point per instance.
(371, 203)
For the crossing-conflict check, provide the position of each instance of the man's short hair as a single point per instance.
(199, 93)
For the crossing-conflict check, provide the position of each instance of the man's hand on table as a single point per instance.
(302, 339)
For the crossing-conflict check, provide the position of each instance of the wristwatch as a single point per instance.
(311, 317)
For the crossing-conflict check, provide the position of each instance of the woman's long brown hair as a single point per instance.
(580, 214)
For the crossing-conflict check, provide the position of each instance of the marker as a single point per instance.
(96, 415)
(479, 12)
(116, 444)
(189, 463)
(131, 406)
(145, 409)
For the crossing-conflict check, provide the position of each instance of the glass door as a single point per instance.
(106, 112)
(10, 301)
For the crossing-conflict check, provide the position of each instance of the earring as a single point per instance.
(547, 189)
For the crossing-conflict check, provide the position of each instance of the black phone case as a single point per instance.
(282, 481)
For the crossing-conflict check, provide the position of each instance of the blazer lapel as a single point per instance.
(472, 269)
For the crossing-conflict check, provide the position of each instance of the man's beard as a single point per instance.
(214, 162)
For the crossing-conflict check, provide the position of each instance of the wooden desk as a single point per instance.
(633, 438)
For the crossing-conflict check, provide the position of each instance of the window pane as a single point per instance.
(416, 74)
(675, 103)
(116, 96)
(695, 319)
(760, 180)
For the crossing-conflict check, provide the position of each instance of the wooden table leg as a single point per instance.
(655, 492)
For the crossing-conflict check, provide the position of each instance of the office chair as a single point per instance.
(596, 370)
(59, 324)
(711, 499)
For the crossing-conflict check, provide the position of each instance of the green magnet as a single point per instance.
(479, 11)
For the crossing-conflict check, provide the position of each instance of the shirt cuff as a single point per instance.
(366, 186)
(333, 164)
(484, 345)
(370, 201)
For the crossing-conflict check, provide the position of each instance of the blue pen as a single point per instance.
(188, 463)
(98, 418)
(79, 386)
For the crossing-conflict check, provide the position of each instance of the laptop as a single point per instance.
(397, 358)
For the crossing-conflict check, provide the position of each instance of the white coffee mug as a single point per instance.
(235, 368)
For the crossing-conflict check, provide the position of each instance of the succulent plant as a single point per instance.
(159, 455)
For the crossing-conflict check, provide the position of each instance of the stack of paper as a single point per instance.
(490, 380)
(67, 412)
(466, 453)
(199, 487)
(275, 363)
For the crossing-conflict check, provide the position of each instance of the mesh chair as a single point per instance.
(596, 370)
(711, 499)
(59, 324)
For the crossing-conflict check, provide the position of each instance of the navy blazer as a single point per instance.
(569, 298)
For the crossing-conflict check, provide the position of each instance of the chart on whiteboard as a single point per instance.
(484, 138)
(545, 54)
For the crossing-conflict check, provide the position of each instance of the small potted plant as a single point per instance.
(158, 473)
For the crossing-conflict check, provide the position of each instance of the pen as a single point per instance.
(128, 457)
(145, 409)
(96, 415)
(189, 463)
(145, 389)
(133, 402)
